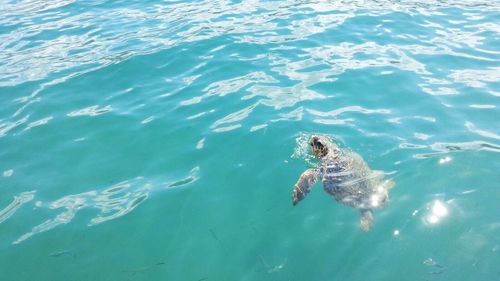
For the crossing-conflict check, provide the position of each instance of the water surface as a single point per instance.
(157, 140)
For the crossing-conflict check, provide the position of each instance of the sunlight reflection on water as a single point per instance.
(112, 202)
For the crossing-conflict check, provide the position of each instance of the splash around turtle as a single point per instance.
(344, 175)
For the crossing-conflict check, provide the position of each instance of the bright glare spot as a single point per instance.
(468, 191)
(445, 160)
(375, 200)
(147, 120)
(437, 211)
(200, 143)
(414, 213)
(429, 262)
(421, 136)
(433, 219)
(396, 232)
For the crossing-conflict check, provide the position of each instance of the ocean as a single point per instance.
(160, 140)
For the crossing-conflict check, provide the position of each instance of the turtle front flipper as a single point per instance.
(366, 221)
(304, 185)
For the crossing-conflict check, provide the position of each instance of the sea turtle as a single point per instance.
(346, 177)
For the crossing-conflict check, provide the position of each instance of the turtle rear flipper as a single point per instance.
(366, 220)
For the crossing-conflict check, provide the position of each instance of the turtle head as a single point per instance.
(319, 147)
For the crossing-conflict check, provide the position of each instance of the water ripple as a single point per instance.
(487, 134)
(281, 97)
(108, 90)
(56, 41)
(20, 200)
(229, 86)
(37, 123)
(112, 202)
(7, 126)
(443, 148)
(90, 111)
(234, 117)
(342, 110)
(99, 36)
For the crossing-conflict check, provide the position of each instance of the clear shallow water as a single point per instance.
(161, 140)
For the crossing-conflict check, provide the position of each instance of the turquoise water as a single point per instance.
(160, 140)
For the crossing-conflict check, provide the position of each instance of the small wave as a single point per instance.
(407, 145)
(148, 120)
(258, 127)
(421, 136)
(229, 86)
(8, 126)
(483, 106)
(337, 112)
(487, 134)
(196, 115)
(294, 115)
(443, 148)
(194, 175)
(227, 128)
(331, 116)
(235, 116)
(37, 123)
(282, 97)
(112, 202)
(90, 111)
(476, 78)
(18, 201)
(8, 173)
(464, 146)
(200, 143)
